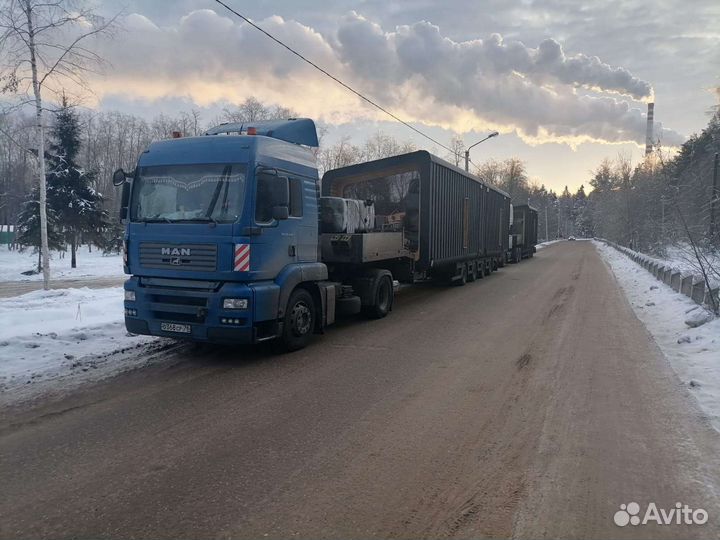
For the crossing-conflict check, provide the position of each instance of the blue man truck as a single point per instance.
(228, 239)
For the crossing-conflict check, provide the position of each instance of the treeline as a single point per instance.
(647, 206)
(559, 216)
(661, 201)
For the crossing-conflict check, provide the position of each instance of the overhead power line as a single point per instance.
(334, 78)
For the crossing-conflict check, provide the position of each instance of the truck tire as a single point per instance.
(472, 274)
(461, 280)
(383, 300)
(299, 321)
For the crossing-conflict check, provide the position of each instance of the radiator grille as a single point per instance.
(197, 257)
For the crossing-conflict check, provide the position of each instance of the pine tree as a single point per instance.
(111, 237)
(29, 226)
(71, 195)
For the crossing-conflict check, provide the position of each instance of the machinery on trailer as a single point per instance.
(228, 239)
(523, 232)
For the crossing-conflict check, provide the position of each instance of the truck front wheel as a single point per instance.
(299, 321)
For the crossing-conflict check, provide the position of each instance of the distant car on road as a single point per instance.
(571, 238)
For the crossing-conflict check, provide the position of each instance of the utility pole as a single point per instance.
(546, 226)
(714, 198)
(558, 221)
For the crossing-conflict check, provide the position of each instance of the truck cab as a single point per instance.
(221, 231)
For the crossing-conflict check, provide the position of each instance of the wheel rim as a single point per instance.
(301, 319)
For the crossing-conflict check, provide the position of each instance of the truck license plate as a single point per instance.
(172, 327)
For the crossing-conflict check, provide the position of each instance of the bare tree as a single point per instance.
(44, 49)
(491, 171)
(457, 147)
(253, 110)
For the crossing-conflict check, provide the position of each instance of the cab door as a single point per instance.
(276, 245)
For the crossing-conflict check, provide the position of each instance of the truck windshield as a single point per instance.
(180, 193)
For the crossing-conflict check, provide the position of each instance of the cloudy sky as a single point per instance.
(565, 84)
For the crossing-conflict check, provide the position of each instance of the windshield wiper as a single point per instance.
(216, 195)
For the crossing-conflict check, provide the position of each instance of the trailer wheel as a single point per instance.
(383, 300)
(461, 280)
(299, 321)
(473, 272)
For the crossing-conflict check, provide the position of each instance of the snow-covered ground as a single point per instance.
(681, 257)
(694, 353)
(542, 245)
(64, 337)
(89, 265)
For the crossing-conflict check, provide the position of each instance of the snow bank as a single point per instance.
(542, 245)
(694, 353)
(90, 264)
(65, 336)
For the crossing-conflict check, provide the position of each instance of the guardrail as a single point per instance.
(691, 285)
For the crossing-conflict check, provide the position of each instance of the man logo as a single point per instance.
(176, 261)
(175, 252)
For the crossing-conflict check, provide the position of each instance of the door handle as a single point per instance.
(291, 251)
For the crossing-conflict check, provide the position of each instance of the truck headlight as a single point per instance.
(129, 296)
(235, 303)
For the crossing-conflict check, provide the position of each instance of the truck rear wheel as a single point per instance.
(383, 300)
(299, 321)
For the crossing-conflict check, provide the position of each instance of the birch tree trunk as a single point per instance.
(40, 133)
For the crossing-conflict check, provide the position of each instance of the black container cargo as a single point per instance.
(448, 216)
(524, 231)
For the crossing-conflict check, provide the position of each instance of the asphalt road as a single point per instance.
(529, 404)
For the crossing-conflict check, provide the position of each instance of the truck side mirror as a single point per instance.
(119, 177)
(280, 191)
(124, 201)
(273, 197)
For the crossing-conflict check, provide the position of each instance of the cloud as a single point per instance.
(542, 93)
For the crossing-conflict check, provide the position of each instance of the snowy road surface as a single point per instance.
(532, 403)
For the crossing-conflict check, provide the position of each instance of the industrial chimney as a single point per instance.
(649, 135)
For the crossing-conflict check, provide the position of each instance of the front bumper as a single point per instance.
(202, 310)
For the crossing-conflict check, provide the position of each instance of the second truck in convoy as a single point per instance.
(228, 238)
